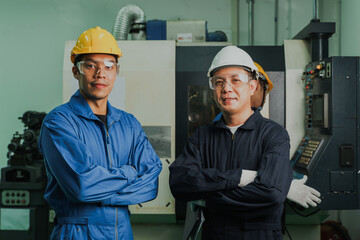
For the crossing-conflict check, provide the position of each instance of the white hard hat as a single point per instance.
(232, 56)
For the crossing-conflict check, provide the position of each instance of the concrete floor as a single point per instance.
(173, 231)
(158, 231)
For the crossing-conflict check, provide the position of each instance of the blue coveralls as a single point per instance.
(210, 169)
(95, 171)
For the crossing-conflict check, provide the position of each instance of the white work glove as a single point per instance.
(247, 176)
(302, 194)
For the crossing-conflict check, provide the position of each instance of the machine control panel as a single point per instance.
(328, 154)
(15, 198)
(316, 103)
(303, 158)
(308, 118)
(315, 71)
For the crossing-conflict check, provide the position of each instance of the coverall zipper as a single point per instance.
(107, 142)
(116, 222)
(232, 150)
(108, 150)
(116, 209)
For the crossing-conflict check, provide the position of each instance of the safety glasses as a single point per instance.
(235, 79)
(91, 67)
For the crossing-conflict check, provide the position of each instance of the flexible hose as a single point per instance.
(126, 16)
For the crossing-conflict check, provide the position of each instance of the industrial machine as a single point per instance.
(24, 214)
(328, 153)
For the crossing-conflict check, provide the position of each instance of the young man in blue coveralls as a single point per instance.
(239, 164)
(98, 159)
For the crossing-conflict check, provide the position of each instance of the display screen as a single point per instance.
(317, 111)
(318, 108)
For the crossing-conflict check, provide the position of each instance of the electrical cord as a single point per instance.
(288, 233)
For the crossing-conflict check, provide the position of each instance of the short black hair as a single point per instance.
(264, 84)
(78, 58)
(252, 74)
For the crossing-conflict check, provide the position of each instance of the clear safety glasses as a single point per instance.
(236, 79)
(91, 67)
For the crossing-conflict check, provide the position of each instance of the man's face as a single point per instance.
(233, 99)
(257, 98)
(96, 74)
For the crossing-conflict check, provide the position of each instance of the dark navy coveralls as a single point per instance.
(210, 169)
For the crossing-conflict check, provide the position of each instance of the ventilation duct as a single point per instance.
(126, 17)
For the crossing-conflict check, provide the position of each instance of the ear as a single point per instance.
(75, 72)
(257, 84)
(253, 84)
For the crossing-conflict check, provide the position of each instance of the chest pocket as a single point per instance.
(120, 146)
(247, 152)
(94, 139)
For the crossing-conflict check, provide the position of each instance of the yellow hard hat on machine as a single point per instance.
(264, 75)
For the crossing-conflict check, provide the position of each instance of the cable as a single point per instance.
(288, 233)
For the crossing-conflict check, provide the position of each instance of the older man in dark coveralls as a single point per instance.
(240, 164)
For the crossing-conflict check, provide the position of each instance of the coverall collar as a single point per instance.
(250, 124)
(82, 108)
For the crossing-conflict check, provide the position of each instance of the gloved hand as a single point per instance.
(302, 194)
(247, 176)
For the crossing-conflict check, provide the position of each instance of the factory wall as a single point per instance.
(349, 27)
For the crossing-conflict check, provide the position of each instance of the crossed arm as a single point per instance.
(71, 164)
(298, 192)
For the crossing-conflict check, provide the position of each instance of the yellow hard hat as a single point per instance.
(96, 40)
(261, 71)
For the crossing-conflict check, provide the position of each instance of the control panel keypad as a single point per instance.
(15, 197)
